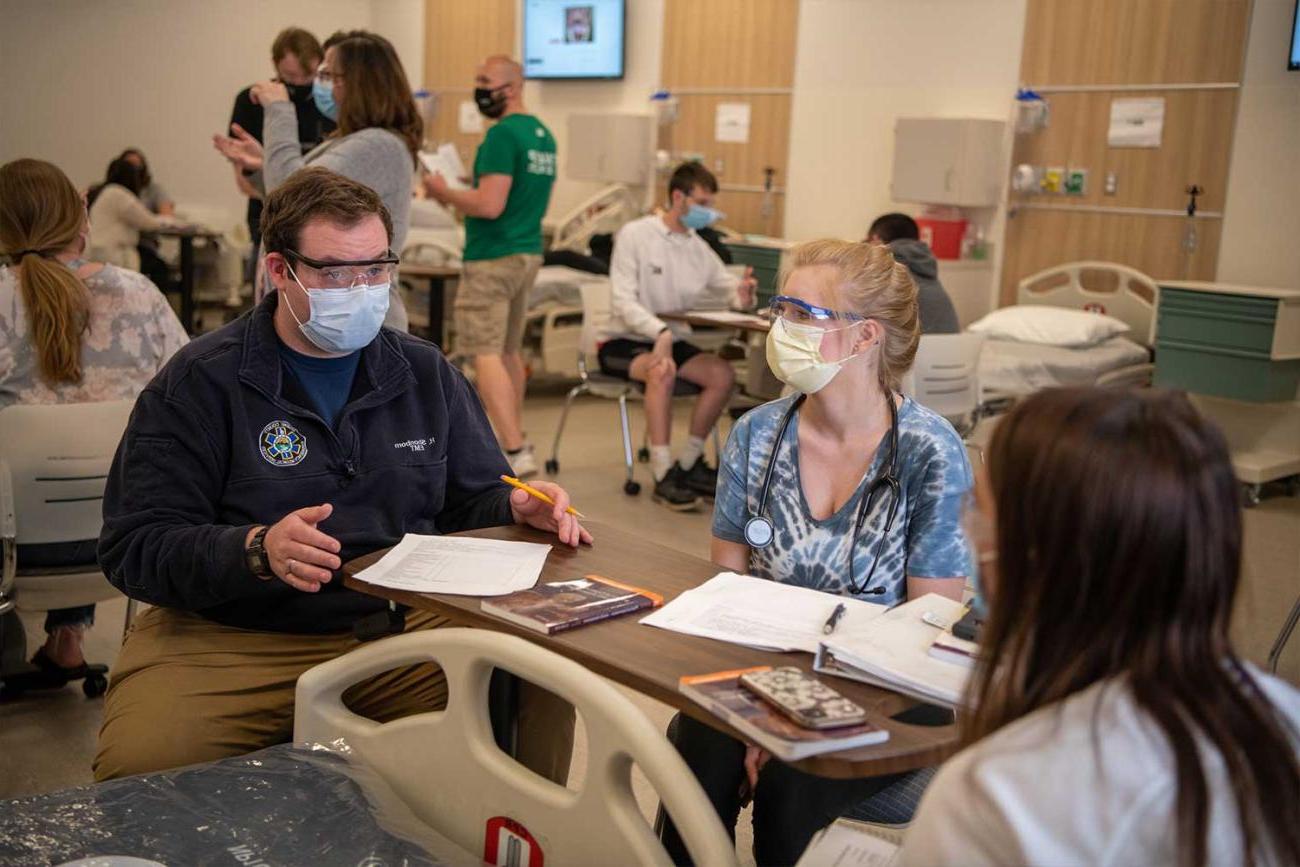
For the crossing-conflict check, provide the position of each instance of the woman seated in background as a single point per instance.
(159, 202)
(361, 85)
(1111, 721)
(846, 487)
(71, 331)
(118, 216)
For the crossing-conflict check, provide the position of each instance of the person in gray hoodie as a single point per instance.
(900, 232)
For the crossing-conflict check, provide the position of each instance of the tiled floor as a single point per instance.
(47, 740)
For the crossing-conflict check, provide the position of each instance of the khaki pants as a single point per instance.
(186, 690)
(492, 304)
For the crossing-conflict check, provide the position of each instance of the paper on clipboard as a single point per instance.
(446, 162)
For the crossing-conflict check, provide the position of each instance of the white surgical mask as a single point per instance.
(795, 355)
(343, 320)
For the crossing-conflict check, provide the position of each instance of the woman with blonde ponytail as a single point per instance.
(71, 331)
(847, 487)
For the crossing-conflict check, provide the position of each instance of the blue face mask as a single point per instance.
(698, 216)
(343, 320)
(323, 95)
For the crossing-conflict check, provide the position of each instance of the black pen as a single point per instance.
(834, 619)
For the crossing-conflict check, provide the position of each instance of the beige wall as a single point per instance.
(861, 64)
(86, 78)
(1262, 216)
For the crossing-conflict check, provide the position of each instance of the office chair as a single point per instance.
(447, 769)
(595, 315)
(54, 460)
(945, 377)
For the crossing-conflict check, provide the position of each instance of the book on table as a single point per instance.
(722, 695)
(561, 605)
(896, 652)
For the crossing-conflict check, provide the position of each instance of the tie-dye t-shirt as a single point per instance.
(926, 540)
(132, 333)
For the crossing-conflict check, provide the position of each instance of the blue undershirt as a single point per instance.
(327, 381)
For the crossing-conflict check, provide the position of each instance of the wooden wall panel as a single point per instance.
(1194, 149)
(1133, 41)
(733, 51)
(729, 43)
(458, 36)
(769, 136)
(743, 211)
(1041, 239)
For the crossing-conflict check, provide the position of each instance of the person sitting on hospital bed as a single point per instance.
(846, 487)
(661, 265)
(1111, 720)
(901, 234)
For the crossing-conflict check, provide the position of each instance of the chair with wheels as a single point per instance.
(446, 767)
(945, 377)
(54, 460)
(595, 315)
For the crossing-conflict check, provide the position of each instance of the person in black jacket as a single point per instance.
(295, 53)
(261, 458)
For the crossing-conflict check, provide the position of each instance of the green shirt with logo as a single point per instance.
(518, 145)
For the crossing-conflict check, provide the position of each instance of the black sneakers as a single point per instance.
(674, 491)
(702, 478)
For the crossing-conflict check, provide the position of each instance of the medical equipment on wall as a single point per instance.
(603, 213)
(759, 530)
(426, 104)
(1032, 112)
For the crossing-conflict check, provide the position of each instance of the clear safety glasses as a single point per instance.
(799, 312)
(346, 274)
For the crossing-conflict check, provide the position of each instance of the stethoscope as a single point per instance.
(759, 530)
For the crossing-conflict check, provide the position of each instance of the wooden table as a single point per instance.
(186, 235)
(652, 660)
(436, 276)
(705, 319)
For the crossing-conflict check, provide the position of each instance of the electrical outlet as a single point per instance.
(1076, 182)
(1053, 179)
(1111, 186)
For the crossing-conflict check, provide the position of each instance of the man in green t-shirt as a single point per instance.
(513, 175)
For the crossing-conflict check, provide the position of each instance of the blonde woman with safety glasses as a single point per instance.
(847, 487)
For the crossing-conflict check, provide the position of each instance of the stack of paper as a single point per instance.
(730, 317)
(846, 843)
(446, 162)
(895, 652)
(758, 613)
(458, 565)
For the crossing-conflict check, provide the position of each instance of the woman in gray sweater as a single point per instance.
(361, 85)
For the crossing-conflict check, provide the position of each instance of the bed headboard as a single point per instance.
(1129, 295)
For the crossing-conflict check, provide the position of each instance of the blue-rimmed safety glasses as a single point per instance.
(345, 274)
(799, 312)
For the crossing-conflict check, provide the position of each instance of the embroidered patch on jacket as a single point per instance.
(282, 444)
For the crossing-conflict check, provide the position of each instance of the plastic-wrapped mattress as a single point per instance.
(286, 805)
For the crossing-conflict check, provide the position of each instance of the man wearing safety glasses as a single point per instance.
(262, 459)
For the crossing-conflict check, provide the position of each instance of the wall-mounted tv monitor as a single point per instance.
(574, 38)
(1293, 61)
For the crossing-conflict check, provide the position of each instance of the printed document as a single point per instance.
(755, 612)
(446, 162)
(459, 565)
(846, 843)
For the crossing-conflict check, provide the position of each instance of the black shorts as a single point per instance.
(616, 355)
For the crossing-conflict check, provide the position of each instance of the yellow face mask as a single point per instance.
(795, 355)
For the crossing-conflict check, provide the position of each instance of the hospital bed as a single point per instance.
(428, 789)
(603, 213)
(1010, 368)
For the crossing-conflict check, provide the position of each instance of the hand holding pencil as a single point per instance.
(545, 505)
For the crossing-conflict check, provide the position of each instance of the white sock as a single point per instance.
(661, 461)
(692, 453)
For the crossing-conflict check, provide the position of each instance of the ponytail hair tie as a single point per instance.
(21, 253)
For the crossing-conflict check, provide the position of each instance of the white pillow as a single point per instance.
(1054, 326)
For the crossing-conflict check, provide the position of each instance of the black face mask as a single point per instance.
(490, 104)
(298, 92)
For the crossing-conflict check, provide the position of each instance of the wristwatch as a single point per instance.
(255, 555)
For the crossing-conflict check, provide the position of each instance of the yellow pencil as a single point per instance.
(529, 489)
